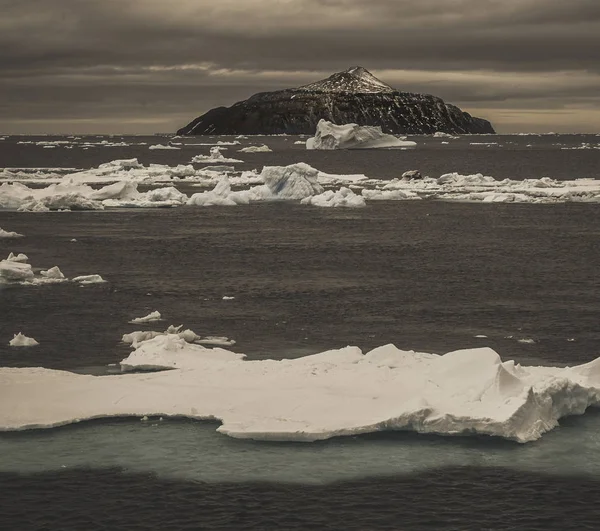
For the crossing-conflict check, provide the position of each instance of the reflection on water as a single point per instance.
(182, 449)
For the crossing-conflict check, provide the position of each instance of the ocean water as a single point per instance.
(426, 275)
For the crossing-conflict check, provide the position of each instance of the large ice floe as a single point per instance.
(353, 136)
(481, 188)
(71, 195)
(333, 393)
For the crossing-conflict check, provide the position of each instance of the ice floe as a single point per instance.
(17, 257)
(71, 195)
(189, 336)
(163, 146)
(89, 279)
(353, 136)
(256, 149)
(150, 318)
(9, 234)
(215, 157)
(344, 197)
(21, 340)
(333, 393)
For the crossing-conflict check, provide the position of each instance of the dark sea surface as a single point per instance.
(427, 275)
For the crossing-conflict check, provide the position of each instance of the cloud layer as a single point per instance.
(152, 65)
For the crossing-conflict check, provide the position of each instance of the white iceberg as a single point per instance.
(89, 279)
(151, 317)
(11, 271)
(215, 157)
(20, 340)
(256, 149)
(53, 273)
(9, 234)
(281, 183)
(344, 197)
(162, 146)
(189, 336)
(69, 194)
(334, 393)
(17, 257)
(353, 136)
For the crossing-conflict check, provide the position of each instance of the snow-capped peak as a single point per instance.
(356, 79)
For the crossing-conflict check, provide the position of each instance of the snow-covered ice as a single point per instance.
(256, 149)
(215, 157)
(89, 279)
(344, 197)
(17, 257)
(21, 340)
(162, 146)
(11, 271)
(333, 393)
(53, 273)
(9, 234)
(151, 317)
(353, 136)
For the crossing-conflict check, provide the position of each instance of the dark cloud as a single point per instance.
(168, 61)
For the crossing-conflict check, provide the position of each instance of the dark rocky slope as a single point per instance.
(353, 96)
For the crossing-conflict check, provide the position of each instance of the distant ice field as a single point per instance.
(562, 157)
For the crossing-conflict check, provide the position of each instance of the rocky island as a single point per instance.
(353, 96)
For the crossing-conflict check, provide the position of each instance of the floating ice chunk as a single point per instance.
(526, 341)
(216, 340)
(388, 195)
(172, 352)
(221, 195)
(121, 164)
(17, 258)
(300, 142)
(11, 271)
(227, 298)
(441, 134)
(89, 279)
(151, 317)
(9, 234)
(295, 181)
(53, 273)
(256, 149)
(139, 336)
(21, 340)
(215, 157)
(344, 197)
(334, 393)
(412, 174)
(162, 146)
(353, 136)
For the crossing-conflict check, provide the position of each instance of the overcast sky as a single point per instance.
(129, 66)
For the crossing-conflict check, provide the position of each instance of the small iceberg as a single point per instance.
(150, 318)
(21, 340)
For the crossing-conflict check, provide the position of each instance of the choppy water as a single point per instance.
(424, 275)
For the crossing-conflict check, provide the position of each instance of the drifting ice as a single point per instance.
(8, 234)
(151, 317)
(256, 149)
(215, 157)
(334, 393)
(353, 136)
(21, 340)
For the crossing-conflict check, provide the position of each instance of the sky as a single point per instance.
(148, 66)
